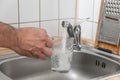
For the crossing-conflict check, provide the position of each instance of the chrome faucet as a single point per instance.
(74, 33)
(77, 37)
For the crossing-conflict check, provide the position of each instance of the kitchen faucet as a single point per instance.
(77, 37)
(73, 33)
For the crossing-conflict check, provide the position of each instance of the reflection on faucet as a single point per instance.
(77, 37)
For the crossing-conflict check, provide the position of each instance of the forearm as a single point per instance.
(8, 36)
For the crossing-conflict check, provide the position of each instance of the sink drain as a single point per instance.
(100, 64)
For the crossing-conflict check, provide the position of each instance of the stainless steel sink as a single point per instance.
(86, 64)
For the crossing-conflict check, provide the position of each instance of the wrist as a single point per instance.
(13, 40)
(8, 36)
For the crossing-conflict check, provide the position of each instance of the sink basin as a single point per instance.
(86, 65)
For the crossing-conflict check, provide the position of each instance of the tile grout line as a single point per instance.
(89, 21)
(39, 13)
(44, 21)
(18, 14)
(58, 17)
(93, 20)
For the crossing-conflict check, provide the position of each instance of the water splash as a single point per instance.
(64, 40)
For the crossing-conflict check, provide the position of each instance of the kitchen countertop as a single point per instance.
(115, 78)
(5, 51)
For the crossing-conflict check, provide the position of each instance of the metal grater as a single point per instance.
(112, 8)
(110, 22)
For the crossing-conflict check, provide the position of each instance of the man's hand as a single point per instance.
(30, 41)
(33, 42)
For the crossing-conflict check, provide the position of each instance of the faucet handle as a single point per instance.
(69, 27)
(65, 24)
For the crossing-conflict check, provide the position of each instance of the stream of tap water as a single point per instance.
(64, 40)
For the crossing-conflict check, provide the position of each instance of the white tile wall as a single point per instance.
(50, 12)
(9, 11)
(14, 25)
(89, 8)
(67, 8)
(29, 10)
(85, 9)
(96, 9)
(94, 30)
(51, 27)
(49, 9)
(86, 30)
(35, 24)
